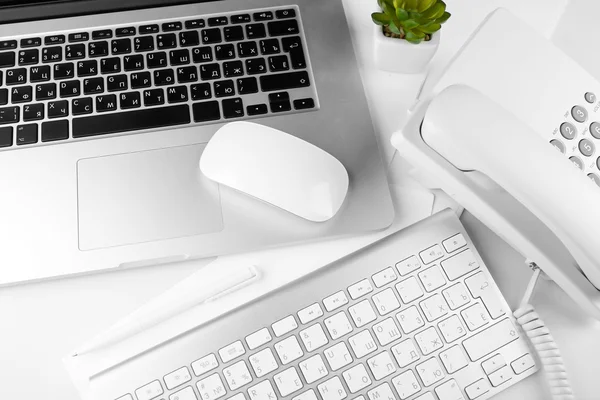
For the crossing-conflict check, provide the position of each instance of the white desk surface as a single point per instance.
(42, 322)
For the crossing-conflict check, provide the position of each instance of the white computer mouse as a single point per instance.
(277, 168)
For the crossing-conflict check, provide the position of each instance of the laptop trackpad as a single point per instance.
(144, 197)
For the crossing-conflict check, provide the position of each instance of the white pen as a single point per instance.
(194, 290)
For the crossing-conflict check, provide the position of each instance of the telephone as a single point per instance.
(512, 132)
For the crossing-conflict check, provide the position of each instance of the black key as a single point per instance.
(58, 109)
(70, 89)
(194, 24)
(75, 51)
(27, 134)
(130, 100)
(107, 102)
(210, 71)
(201, 91)
(6, 136)
(187, 74)
(256, 66)
(3, 97)
(179, 57)
(281, 106)
(45, 91)
(54, 39)
(39, 74)
(64, 71)
(202, 54)
(7, 59)
(31, 42)
(303, 104)
(247, 85)
(257, 109)
(171, 26)
(98, 49)
(93, 85)
(218, 21)
(233, 108)
(21, 94)
(177, 94)
(115, 83)
(189, 38)
(28, 57)
(164, 77)
(263, 16)
(255, 31)
(127, 31)
(156, 60)
(55, 130)
(141, 80)
(16, 76)
(224, 88)
(82, 106)
(240, 19)
(33, 112)
(144, 43)
(102, 34)
(210, 36)
(287, 13)
(130, 121)
(167, 41)
(87, 68)
(144, 29)
(233, 68)
(0, 78)
(225, 52)
(247, 49)
(269, 46)
(279, 96)
(121, 46)
(110, 65)
(133, 63)
(8, 44)
(52, 54)
(79, 37)
(284, 27)
(154, 97)
(279, 63)
(9, 115)
(233, 33)
(290, 80)
(293, 45)
(206, 111)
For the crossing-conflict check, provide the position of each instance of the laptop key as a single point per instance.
(177, 94)
(16, 76)
(55, 130)
(171, 26)
(189, 38)
(7, 59)
(31, 42)
(269, 46)
(133, 63)
(106, 103)
(154, 97)
(45, 91)
(115, 83)
(233, 68)
(257, 109)
(93, 85)
(255, 31)
(167, 41)
(279, 63)
(130, 100)
(247, 49)
(8, 44)
(121, 46)
(164, 77)
(210, 36)
(288, 13)
(141, 80)
(9, 115)
(27, 134)
(241, 18)
(57, 109)
(6, 136)
(28, 57)
(98, 49)
(194, 24)
(110, 65)
(224, 52)
(3, 97)
(247, 85)
(156, 60)
(82, 106)
(70, 88)
(54, 39)
(210, 71)
(256, 66)
(206, 111)
(284, 27)
(303, 104)
(187, 74)
(233, 108)
(224, 88)
(33, 112)
(64, 71)
(233, 33)
(146, 29)
(126, 31)
(179, 57)
(102, 34)
(201, 91)
(79, 37)
(87, 68)
(52, 54)
(202, 54)
(263, 16)
(285, 81)
(75, 51)
(144, 43)
(293, 45)
(21, 94)
(157, 117)
(218, 21)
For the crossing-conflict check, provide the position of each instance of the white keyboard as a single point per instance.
(414, 316)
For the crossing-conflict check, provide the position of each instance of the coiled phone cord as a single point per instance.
(543, 342)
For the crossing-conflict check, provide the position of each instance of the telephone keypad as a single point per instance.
(586, 147)
(595, 129)
(577, 162)
(568, 130)
(579, 114)
(590, 97)
(558, 144)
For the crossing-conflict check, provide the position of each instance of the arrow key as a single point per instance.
(499, 377)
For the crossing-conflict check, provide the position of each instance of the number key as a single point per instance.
(586, 147)
(568, 131)
(579, 113)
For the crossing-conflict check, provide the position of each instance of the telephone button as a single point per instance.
(595, 129)
(579, 114)
(577, 162)
(590, 97)
(586, 147)
(559, 145)
(598, 162)
(568, 131)
(594, 178)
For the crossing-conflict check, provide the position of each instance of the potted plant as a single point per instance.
(407, 33)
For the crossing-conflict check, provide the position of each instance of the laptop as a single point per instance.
(106, 107)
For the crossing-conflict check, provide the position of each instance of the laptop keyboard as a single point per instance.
(205, 69)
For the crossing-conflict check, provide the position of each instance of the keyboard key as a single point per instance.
(233, 33)
(6, 136)
(287, 13)
(460, 264)
(28, 57)
(201, 91)
(233, 108)
(386, 331)
(177, 94)
(33, 112)
(256, 31)
(58, 109)
(79, 37)
(70, 89)
(381, 365)
(453, 359)
(210, 71)
(172, 26)
(218, 21)
(269, 46)
(285, 27)
(9, 115)
(64, 71)
(45, 91)
(475, 316)
(429, 341)
(313, 337)
(449, 391)
(247, 49)
(211, 36)
(167, 41)
(116, 83)
(55, 130)
(144, 43)
(456, 296)
(304, 104)
(310, 313)
(360, 289)
(278, 63)
(27, 134)
(522, 363)
(332, 389)
(205, 364)
(284, 326)
(98, 49)
(110, 65)
(357, 378)
(224, 52)
(338, 356)
(409, 290)
(145, 29)
(102, 34)
(386, 302)
(258, 338)
(577, 162)
(263, 16)
(497, 378)
(493, 364)
(206, 111)
(93, 85)
(121, 46)
(293, 45)
(31, 42)
(7, 59)
(384, 277)
(86, 68)
(288, 350)
(3, 96)
(335, 301)
(183, 394)
(432, 278)
(133, 63)
(237, 375)
(17, 76)
(233, 68)
(579, 113)
(452, 329)
(232, 351)
(187, 74)
(406, 384)
(454, 243)
(75, 51)
(54, 39)
(430, 372)
(410, 319)
(285, 81)
(490, 339)
(211, 388)
(263, 362)
(482, 287)
(194, 24)
(240, 19)
(288, 381)
(149, 391)
(362, 344)
(408, 265)
(256, 66)
(383, 391)
(405, 353)
(431, 254)
(257, 109)
(82, 106)
(262, 391)
(338, 325)
(21, 94)
(587, 147)
(202, 54)
(224, 88)
(125, 31)
(8, 44)
(313, 369)
(189, 38)
(477, 389)
(156, 60)
(164, 77)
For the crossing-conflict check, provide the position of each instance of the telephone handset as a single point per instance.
(486, 137)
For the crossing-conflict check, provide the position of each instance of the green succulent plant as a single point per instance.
(412, 20)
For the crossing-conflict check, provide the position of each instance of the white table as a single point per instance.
(42, 322)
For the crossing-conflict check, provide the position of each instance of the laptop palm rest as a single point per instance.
(144, 197)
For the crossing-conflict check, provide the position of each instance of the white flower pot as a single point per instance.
(398, 55)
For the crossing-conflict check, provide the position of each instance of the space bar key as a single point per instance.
(104, 124)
